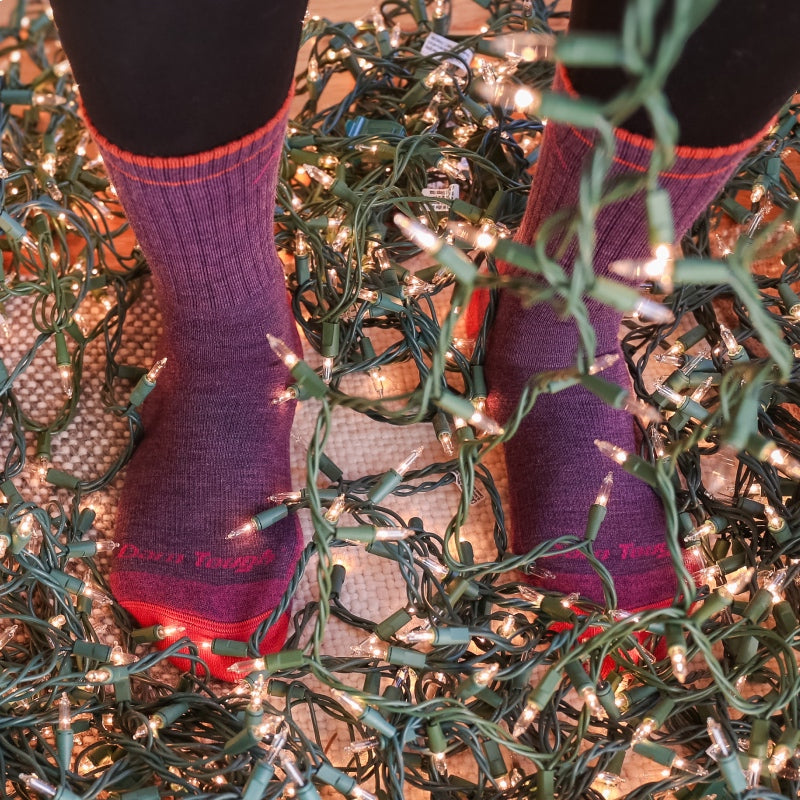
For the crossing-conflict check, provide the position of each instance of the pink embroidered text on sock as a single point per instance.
(554, 468)
(215, 447)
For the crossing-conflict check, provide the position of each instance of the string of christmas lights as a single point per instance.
(429, 152)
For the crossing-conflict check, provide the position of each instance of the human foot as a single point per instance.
(215, 446)
(554, 468)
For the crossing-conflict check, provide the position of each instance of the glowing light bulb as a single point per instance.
(95, 595)
(248, 665)
(289, 394)
(736, 585)
(657, 313)
(774, 520)
(611, 451)
(644, 730)
(167, 631)
(66, 377)
(371, 647)
(660, 268)
(245, 529)
(101, 675)
(780, 757)
(729, 340)
(777, 584)
(319, 175)
(327, 369)
(484, 676)
(605, 490)
(677, 657)
(590, 698)
(689, 767)
(286, 497)
(336, 508)
(525, 719)
(781, 460)
(485, 424)
(282, 350)
(436, 569)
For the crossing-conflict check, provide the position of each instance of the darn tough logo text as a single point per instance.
(202, 559)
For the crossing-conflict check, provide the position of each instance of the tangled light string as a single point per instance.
(473, 667)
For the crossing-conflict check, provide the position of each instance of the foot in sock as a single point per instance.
(215, 447)
(554, 468)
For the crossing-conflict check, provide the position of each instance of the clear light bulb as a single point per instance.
(360, 793)
(286, 497)
(676, 398)
(155, 370)
(433, 566)
(660, 268)
(167, 631)
(602, 363)
(95, 595)
(101, 675)
(644, 730)
(729, 340)
(604, 494)
(336, 508)
(248, 665)
(485, 424)
(736, 585)
(611, 451)
(777, 584)
(753, 772)
(319, 175)
(689, 767)
(652, 311)
(405, 465)
(423, 237)
(418, 636)
(677, 657)
(355, 706)
(782, 460)
(282, 350)
(371, 647)
(708, 528)
(780, 757)
(484, 676)
(525, 719)
(507, 627)
(774, 520)
(289, 394)
(65, 375)
(362, 746)
(590, 698)
(245, 529)
(327, 369)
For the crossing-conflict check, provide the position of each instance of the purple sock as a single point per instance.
(554, 468)
(215, 447)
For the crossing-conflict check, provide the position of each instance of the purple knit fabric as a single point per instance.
(554, 468)
(215, 446)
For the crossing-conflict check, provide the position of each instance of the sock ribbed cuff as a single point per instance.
(209, 164)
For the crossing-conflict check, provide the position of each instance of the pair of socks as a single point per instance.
(215, 446)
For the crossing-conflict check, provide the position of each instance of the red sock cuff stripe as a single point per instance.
(637, 148)
(197, 167)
